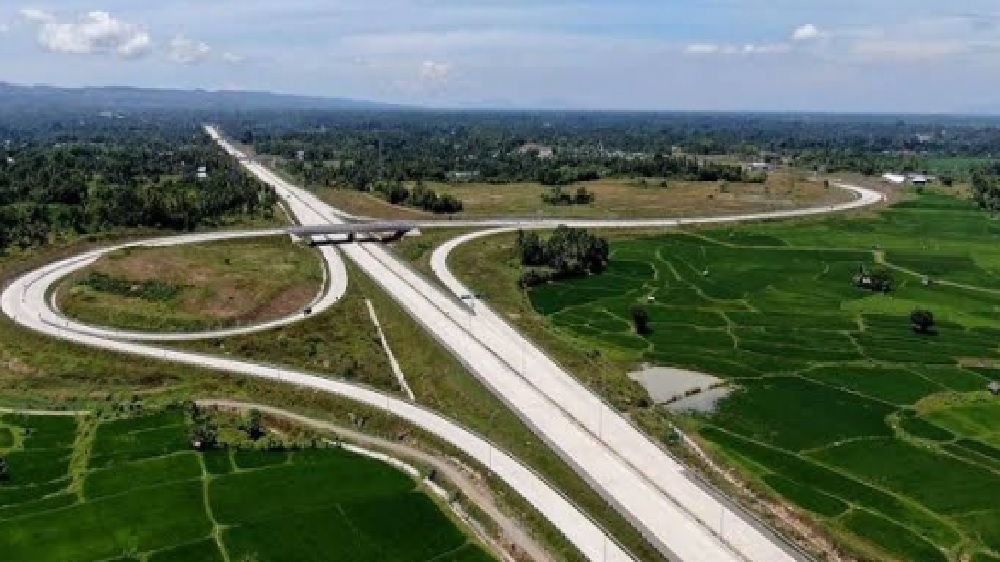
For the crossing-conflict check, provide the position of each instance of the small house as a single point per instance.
(897, 179)
(995, 388)
(543, 152)
(458, 175)
(202, 173)
(919, 180)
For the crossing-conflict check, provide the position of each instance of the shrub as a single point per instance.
(922, 321)
(640, 320)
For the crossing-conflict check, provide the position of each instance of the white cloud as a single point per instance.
(94, 32)
(806, 32)
(185, 51)
(34, 15)
(767, 49)
(434, 72)
(748, 49)
(703, 49)
(233, 58)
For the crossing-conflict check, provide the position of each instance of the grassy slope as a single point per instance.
(220, 284)
(820, 362)
(144, 494)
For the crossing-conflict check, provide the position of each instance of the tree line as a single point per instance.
(420, 197)
(567, 253)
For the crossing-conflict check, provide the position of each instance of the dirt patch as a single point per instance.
(289, 301)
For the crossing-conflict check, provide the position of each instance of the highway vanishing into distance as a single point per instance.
(681, 518)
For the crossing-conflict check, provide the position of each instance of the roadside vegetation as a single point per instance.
(141, 488)
(867, 409)
(194, 287)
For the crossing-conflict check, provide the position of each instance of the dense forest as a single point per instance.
(118, 174)
(360, 150)
(66, 170)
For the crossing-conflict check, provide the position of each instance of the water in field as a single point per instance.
(681, 390)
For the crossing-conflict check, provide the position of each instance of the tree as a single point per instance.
(881, 280)
(255, 427)
(204, 436)
(640, 320)
(4, 470)
(922, 321)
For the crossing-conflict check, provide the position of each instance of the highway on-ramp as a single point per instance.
(680, 518)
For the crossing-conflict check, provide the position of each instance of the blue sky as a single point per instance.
(831, 55)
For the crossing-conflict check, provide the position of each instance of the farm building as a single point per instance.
(202, 173)
(759, 167)
(995, 388)
(540, 149)
(897, 179)
(462, 176)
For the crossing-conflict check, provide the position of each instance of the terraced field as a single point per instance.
(132, 490)
(888, 437)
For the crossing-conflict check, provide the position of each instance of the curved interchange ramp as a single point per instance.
(644, 483)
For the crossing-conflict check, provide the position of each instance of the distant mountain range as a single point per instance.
(16, 97)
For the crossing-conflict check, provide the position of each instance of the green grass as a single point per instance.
(341, 343)
(893, 464)
(194, 287)
(895, 539)
(6, 438)
(324, 504)
(820, 367)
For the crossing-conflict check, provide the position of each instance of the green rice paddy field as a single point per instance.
(888, 437)
(131, 490)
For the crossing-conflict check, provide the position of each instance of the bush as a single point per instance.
(922, 321)
(640, 320)
(556, 196)
(534, 277)
(155, 291)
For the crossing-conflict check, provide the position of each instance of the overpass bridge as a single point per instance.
(318, 234)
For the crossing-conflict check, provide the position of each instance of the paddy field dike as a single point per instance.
(886, 437)
(129, 489)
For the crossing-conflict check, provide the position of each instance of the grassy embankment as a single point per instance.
(883, 437)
